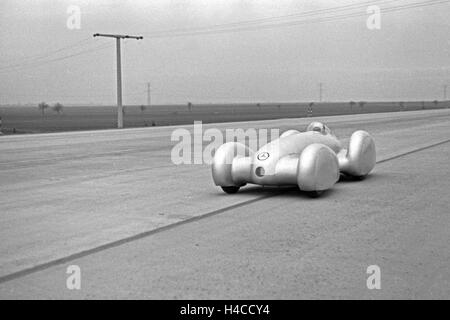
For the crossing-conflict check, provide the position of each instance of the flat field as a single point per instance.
(29, 119)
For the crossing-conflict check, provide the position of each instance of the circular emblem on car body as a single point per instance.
(263, 156)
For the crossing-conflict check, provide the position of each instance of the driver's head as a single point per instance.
(318, 127)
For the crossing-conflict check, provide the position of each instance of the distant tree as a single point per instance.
(352, 104)
(361, 104)
(142, 107)
(58, 108)
(258, 105)
(42, 107)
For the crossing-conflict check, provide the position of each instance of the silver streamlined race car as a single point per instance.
(313, 160)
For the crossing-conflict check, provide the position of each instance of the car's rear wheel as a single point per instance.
(231, 189)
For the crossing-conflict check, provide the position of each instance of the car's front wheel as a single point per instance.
(230, 190)
(314, 194)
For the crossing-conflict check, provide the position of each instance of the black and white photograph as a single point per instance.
(236, 151)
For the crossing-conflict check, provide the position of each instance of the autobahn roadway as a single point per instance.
(138, 226)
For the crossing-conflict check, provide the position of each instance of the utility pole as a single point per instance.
(118, 37)
(148, 95)
(320, 91)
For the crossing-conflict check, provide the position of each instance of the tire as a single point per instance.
(314, 194)
(231, 190)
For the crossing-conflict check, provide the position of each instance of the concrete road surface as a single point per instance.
(138, 226)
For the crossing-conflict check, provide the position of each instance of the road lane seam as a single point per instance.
(63, 260)
(413, 151)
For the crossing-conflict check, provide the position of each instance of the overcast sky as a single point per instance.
(407, 59)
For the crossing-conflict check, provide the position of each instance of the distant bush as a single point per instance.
(58, 108)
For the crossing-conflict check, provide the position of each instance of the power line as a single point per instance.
(40, 63)
(276, 18)
(255, 25)
(39, 56)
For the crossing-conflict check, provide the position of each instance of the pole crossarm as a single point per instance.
(118, 36)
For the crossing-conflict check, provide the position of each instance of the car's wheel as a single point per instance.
(230, 190)
(314, 194)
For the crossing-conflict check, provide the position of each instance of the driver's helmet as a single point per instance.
(318, 127)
